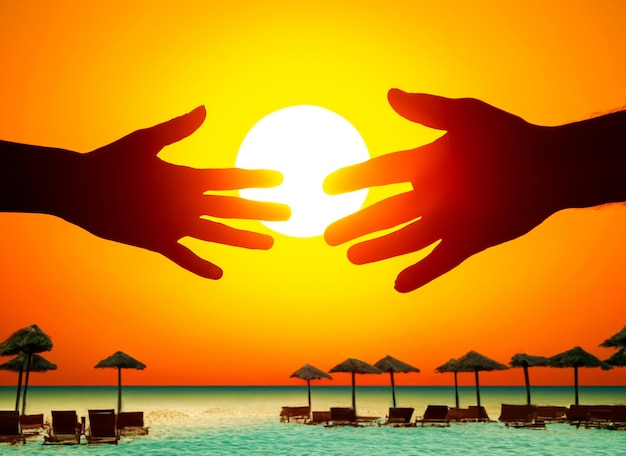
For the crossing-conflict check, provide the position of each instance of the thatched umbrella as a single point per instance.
(392, 365)
(451, 366)
(29, 340)
(577, 357)
(355, 366)
(18, 364)
(475, 362)
(525, 361)
(120, 360)
(308, 373)
(618, 359)
(617, 340)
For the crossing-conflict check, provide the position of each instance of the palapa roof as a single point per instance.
(524, 360)
(308, 372)
(38, 364)
(473, 361)
(617, 340)
(618, 359)
(451, 366)
(121, 360)
(577, 357)
(357, 366)
(30, 340)
(390, 364)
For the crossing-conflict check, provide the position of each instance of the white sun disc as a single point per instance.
(305, 143)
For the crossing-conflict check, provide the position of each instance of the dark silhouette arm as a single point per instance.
(491, 178)
(124, 192)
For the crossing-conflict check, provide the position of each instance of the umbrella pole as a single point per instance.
(19, 390)
(119, 389)
(456, 390)
(477, 388)
(393, 388)
(576, 385)
(308, 386)
(28, 363)
(527, 380)
(353, 392)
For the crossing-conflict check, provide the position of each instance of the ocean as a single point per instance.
(245, 421)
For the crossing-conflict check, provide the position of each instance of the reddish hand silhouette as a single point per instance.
(124, 192)
(483, 183)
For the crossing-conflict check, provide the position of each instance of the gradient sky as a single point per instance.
(80, 75)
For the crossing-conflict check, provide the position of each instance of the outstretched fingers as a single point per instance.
(188, 260)
(237, 178)
(211, 231)
(411, 238)
(393, 168)
(433, 111)
(151, 140)
(240, 208)
(383, 215)
(443, 258)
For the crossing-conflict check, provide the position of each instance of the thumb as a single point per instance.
(431, 110)
(157, 137)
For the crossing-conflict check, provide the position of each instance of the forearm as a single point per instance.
(588, 161)
(37, 179)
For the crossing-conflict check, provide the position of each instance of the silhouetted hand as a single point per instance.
(491, 178)
(124, 192)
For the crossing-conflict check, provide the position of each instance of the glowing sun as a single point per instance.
(305, 143)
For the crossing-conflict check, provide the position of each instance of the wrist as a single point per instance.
(586, 162)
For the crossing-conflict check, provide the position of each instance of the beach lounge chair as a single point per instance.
(457, 414)
(32, 425)
(435, 415)
(10, 427)
(618, 417)
(477, 413)
(551, 413)
(600, 416)
(131, 423)
(102, 427)
(321, 417)
(520, 416)
(342, 416)
(65, 428)
(399, 417)
(301, 414)
(578, 414)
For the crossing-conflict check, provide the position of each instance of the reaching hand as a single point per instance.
(124, 192)
(480, 184)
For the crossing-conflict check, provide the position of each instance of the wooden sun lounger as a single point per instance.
(131, 423)
(65, 428)
(399, 417)
(342, 416)
(457, 415)
(10, 427)
(551, 413)
(319, 417)
(599, 416)
(520, 416)
(435, 415)
(102, 427)
(618, 417)
(477, 413)
(32, 425)
(299, 414)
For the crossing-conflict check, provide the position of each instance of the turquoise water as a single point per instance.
(244, 420)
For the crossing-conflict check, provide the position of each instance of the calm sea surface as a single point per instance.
(244, 421)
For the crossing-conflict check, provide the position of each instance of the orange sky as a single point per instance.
(78, 77)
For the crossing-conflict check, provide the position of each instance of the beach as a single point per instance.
(245, 420)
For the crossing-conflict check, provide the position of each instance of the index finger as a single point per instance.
(387, 169)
